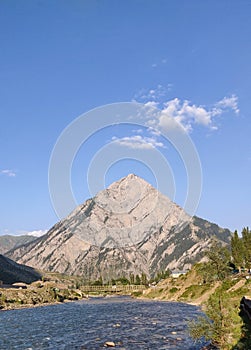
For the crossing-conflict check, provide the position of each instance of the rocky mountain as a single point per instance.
(129, 228)
(8, 242)
(11, 272)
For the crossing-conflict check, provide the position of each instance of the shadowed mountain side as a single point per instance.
(11, 272)
(128, 228)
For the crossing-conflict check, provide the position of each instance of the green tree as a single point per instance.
(137, 280)
(98, 282)
(214, 327)
(132, 278)
(246, 238)
(123, 280)
(218, 260)
(237, 250)
(205, 270)
(221, 316)
(144, 279)
(161, 275)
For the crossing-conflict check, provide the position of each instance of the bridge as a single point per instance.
(113, 289)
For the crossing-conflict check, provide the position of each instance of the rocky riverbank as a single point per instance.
(37, 294)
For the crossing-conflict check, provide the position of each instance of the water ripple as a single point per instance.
(88, 324)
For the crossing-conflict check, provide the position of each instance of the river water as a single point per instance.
(88, 324)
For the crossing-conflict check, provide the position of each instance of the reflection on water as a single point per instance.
(88, 324)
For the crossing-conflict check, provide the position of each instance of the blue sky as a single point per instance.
(60, 59)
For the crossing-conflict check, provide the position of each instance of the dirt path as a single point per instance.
(238, 285)
(206, 295)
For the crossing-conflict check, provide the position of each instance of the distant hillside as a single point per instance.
(128, 229)
(8, 242)
(11, 272)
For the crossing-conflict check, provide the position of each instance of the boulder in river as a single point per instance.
(109, 344)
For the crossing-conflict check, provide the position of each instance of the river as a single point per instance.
(88, 324)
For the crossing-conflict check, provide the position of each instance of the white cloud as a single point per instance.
(154, 95)
(159, 62)
(36, 233)
(175, 115)
(153, 131)
(228, 103)
(8, 172)
(151, 104)
(189, 115)
(186, 114)
(138, 142)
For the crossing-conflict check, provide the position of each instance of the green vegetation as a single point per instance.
(138, 279)
(241, 249)
(161, 275)
(193, 292)
(136, 294)
(218, 285)
(222, 324)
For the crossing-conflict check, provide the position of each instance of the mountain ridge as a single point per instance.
(8, 242)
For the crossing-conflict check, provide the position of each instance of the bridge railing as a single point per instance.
(114, 288)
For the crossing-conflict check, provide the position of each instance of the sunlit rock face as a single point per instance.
(126, 229)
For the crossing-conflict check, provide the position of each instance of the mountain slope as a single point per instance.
(8, 242)
(11, 272)
(126, 229)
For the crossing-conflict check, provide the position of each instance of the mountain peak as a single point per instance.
(123, 196)
(130, 179)
(131, 176)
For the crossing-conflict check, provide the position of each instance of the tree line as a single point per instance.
(138, 279)
(241, 249)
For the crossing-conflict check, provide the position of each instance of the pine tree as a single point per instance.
(246, 238)
(137, 280)
(237, 249)
(143, 278)
(218, 260)
(132, 278)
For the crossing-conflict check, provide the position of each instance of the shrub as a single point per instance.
(194, 291)
(137, 293)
